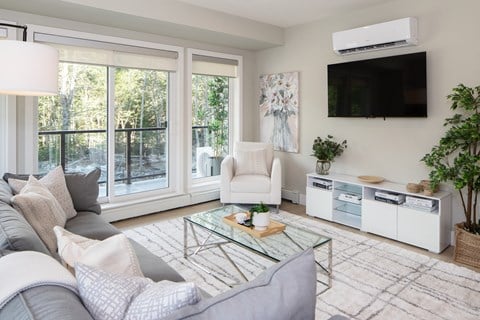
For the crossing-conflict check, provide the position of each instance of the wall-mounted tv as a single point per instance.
(393, 86)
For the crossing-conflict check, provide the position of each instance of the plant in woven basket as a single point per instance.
(456, 158)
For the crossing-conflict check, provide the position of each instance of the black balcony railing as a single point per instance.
(199, 140)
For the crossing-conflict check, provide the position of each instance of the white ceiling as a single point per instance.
(284, 13)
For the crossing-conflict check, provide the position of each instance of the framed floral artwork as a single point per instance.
(278, 106)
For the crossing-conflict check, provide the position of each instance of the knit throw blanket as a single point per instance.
(23, 270)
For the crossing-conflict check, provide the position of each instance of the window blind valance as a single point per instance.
(214, 66)
(104, 53)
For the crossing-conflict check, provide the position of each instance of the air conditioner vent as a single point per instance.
(375, 47)
(391, 34)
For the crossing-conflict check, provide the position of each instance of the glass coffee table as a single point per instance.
(274, 247)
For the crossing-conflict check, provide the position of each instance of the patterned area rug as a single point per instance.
(371, 279)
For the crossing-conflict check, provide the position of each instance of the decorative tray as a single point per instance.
(371, 179)
(274, 227)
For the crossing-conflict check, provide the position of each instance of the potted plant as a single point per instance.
(260, 216)
(325, 150)
(217, 124)
(456, 158)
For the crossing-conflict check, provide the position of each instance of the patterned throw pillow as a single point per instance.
(55, 182)
(42, 211)
(162, 298)
(114, 254)
(115, 296)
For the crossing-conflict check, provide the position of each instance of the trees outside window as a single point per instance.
(73, 126)
(210, 127)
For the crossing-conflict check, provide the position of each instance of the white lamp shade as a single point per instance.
(28, 69)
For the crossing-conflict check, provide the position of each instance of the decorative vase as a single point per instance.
(261, 220)
(467, 246)
(322, 167)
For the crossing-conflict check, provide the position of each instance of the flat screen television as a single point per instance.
(393, 86)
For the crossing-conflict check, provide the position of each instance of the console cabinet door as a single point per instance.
(418, 228)
(319, 203)
(379, 218)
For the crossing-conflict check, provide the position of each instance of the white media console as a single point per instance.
(345, 199)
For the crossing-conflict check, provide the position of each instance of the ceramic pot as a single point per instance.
(261, 220)
(322, 167)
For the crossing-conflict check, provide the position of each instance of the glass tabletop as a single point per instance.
(276, 247)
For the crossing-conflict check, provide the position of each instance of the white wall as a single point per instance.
(391, 148)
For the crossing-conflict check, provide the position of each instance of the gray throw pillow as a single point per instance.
(83, 188)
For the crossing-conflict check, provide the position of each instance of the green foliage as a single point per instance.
(456, 158)
(262, 207)
(217, 114)
(328, 149)
(141, 101)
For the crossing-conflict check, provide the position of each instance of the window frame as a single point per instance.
(175, 89)
(234, 117)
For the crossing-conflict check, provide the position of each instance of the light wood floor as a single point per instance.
(446, 255)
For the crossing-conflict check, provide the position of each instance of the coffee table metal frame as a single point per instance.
(217, 228)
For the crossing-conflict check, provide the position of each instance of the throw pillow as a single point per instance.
(161, 299)
(55, 182)
(116, 296)
(251, 162)
(41, 210)
(84, 190)
(114, 254)
(106, 295)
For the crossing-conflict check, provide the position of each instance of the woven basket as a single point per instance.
(467, 247)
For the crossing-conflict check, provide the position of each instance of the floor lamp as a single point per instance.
(27, 68)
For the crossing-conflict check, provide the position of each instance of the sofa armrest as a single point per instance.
(285, 291)
(276, 181)
(226, 175)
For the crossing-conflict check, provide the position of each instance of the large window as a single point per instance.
(213, 83)
(112, 112)
(73, 125)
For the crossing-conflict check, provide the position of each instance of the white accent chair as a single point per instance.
(252, 175)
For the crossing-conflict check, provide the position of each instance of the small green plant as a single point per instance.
(456, 158)
(259, 208)
(327, 149)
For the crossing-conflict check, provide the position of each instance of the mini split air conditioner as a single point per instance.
(391, 34)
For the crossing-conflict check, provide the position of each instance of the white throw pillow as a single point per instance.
(115, 296)
(251, 162)
(114, 254)
(55, 182)
(41, 209)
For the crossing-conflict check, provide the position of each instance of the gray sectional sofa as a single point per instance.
(274, 287)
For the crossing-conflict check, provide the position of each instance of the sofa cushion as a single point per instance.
(114, 254)
(41, 210)
(285, 291)
(153, 266)
(16, 233)
(250, 183)
(90, 225)
(55, 182)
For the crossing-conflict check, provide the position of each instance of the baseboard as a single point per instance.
(121, 211)
(290, 195)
